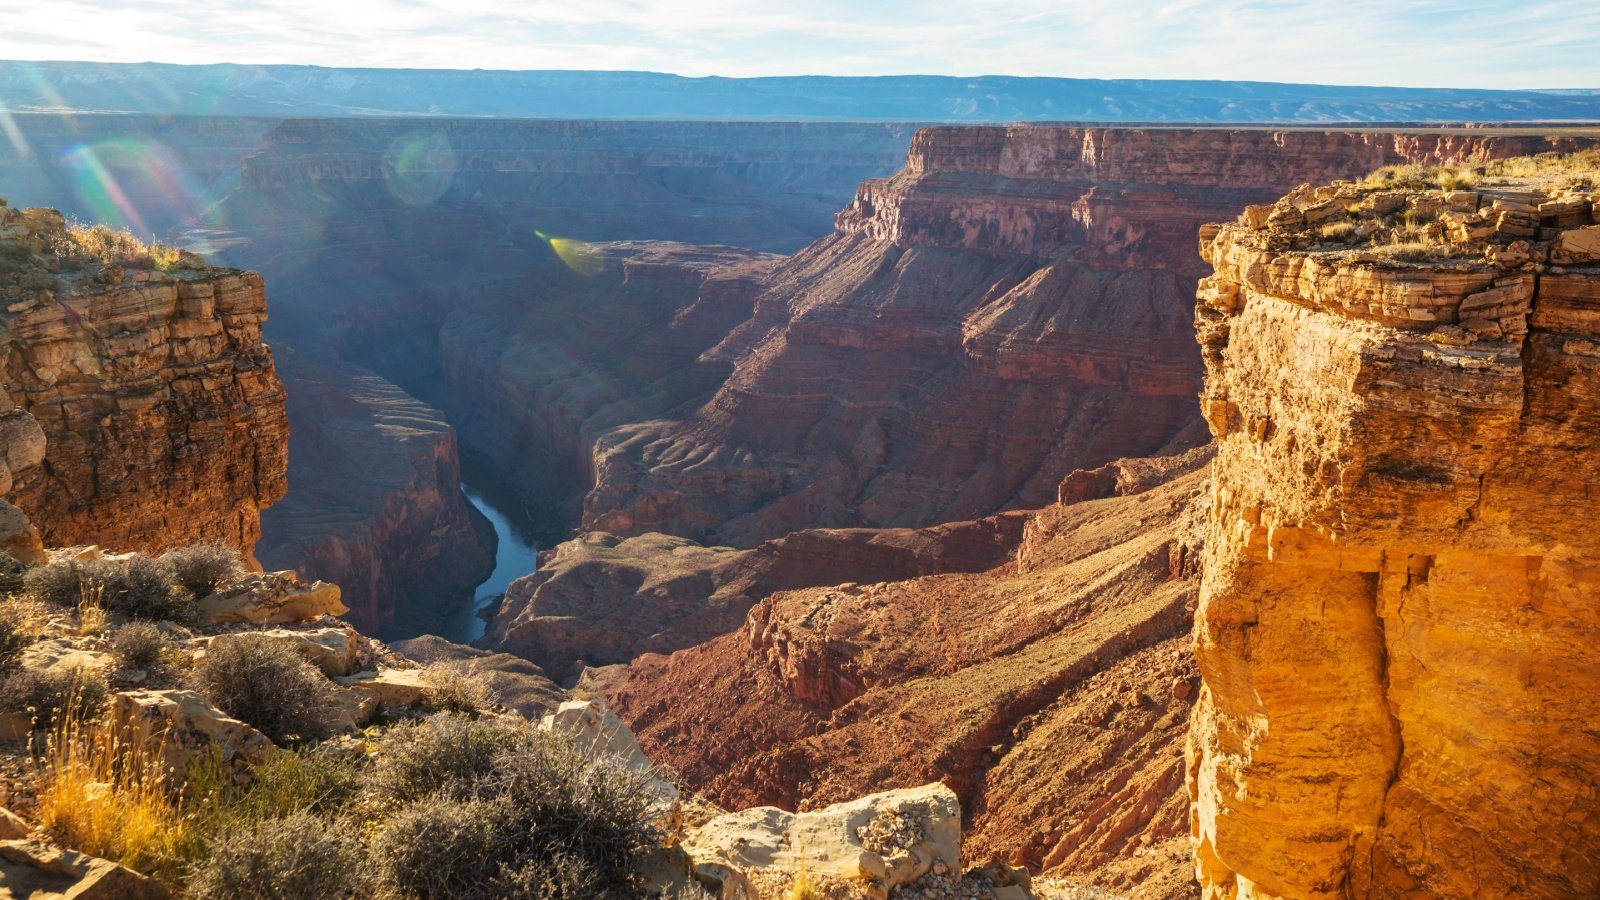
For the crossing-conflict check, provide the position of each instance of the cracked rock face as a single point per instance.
(1397, 624)
(150, 393)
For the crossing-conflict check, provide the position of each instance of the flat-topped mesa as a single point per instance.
(1397, 627)
(162, 416)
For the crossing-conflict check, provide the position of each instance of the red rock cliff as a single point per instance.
(162, 415)
(1011, 306)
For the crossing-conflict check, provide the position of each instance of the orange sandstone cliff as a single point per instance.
(1397, 622)
(161, 412)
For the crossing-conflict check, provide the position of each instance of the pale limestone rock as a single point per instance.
(271, 598)
(392, 687)
(183, 726)
(336, 651)
(61, 653)
(33, 870)
(12, 826)
(878, 842)
(600, 734)
(19, 538)
(1577, 247)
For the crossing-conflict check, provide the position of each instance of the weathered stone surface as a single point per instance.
(183, 727)
(392, 687)
(601, 735)
(600, 599)
(271, 598)
(516, 683)
(1042, 692)
(875, 843)
(336, 651)
(1396, 628)
(12, 826)
(161, 414)
(32, 870)
(18, 538)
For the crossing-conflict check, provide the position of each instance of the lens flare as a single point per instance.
(419, 167)
(8, 125)
(133, 183)
(578, 256)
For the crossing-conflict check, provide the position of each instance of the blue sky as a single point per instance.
(1462, 43)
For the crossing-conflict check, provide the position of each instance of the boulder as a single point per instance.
(184, 726)
(392, 687)
(39, 871)
(19, 538)
(336, 651)
(879, 842)
(271, 598)
(600, 734)
(59, 653)
(350, 709)
(12, 826)
(1577, 247)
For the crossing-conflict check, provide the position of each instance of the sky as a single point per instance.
(1419, 43)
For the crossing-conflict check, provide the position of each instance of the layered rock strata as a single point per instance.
(1011, 306)
(1396, 627)
(161, 414)
(1051, 694)
(600, 599)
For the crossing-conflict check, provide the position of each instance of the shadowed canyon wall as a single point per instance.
(1397, 623)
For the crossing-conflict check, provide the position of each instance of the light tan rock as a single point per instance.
(336, 651)
(350, 709)
(184, 727)
(271, 598)
(877, 842)
(12, 826)
(38, 871)
(62, 653)
(392, 687)
(19, 538)
(600, 734)
(1577, 247)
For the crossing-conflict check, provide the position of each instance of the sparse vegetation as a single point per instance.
(11, 575)
(17, 631)
(108, 797)
(450, 687)
(135, 586)
(1338, 231)
(264, 683)
(138, 645)
(441, 753)
(81, 245)
(203, 568)
(298, 856)
(81, 691)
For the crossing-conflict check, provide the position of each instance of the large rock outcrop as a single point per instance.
(1014, 304)
(1050, 693)
(1397, 625)
(162, 417)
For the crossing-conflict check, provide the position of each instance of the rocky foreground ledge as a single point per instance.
(1396, 627)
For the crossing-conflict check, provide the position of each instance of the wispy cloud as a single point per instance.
(1461, 43)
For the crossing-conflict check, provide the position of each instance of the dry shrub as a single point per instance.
(137, 586)
(264, 683)
(11, 574)
(109, 797)
(203, 568)
(298, 856)
(444, 752)
(451, 687)
(19, 627)
(46, 695)
(138, 645)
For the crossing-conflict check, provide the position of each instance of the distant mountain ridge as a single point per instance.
(292, 91)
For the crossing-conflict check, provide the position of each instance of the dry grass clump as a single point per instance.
(18, 629)
(108, 797)
(1418, 177)
(11, 575)
(203, 568)
(450, 687)
(1338, 231)
(82, 244)
(1581, 164)
(265, 684)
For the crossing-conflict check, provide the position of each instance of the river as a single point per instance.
(516, 554)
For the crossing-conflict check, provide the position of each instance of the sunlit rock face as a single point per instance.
(161, 413)
(1397, 625)
(1012, 305)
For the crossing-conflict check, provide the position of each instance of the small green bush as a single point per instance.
(137, 587)
(137, 645)
(45, 694)
(300, 856)
(306, 781)
(203, 568)
(264, 683)
(443, 753)
(450, 687)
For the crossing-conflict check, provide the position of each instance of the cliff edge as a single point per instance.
(1396, 627)
(145, 371)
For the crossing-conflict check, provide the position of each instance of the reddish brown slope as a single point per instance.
(1050, 693)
